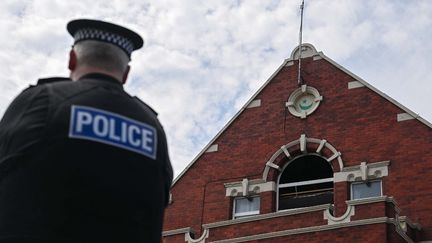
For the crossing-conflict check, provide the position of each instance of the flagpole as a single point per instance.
(300, 43)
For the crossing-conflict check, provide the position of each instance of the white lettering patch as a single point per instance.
(113, 129)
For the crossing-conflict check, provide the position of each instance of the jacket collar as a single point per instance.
(100, 76)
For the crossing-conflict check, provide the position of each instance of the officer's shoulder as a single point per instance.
(50, 80)
(42, 81)
(145, 105)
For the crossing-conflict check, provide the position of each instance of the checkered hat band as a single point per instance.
(96, 34)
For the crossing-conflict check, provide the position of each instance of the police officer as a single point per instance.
(80, 159)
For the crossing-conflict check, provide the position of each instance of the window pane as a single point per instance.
(310, 167)
(306, 181)
(315, 188)
(247, 205)
(365, 190)
(306, 201)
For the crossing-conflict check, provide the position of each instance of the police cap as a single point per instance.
(88, 29)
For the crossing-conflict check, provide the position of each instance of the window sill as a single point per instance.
(281, 213)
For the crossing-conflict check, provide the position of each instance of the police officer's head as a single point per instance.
(101, 47)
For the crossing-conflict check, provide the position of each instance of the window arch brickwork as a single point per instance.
(304, 145)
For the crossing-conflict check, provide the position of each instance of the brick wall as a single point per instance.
(358, 122)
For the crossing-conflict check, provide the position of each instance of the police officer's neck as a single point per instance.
(81, 71)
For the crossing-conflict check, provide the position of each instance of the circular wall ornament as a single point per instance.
(303, 101)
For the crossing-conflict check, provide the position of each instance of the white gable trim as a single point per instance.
(254, 103)
(355, 85)
(404, 117)
(287, 61)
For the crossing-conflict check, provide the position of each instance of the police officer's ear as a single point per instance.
(125, 75)
(72, 60)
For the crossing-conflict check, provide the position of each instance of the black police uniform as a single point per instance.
(75, 166)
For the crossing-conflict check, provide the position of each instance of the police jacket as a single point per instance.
(82, 161)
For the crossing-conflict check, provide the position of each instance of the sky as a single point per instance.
(203, 60)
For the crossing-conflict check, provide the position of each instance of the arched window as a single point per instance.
(305, 181)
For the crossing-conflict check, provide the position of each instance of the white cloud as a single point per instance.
(203, 60)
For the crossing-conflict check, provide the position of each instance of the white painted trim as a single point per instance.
(259, 217)
(274, 166)
(294, 98)
(410, 223)
(204, 236)
(285, 150)
(345, 218)
(355, 84)
(374, 200)
(302, 142)
(290, 63)
(235, 189)
(213, 148)
(399, 229)
(178, 231)
(334, 156)
(369, 200)
(404, 117)
(308, 50)
(170, 198)
(317, 58)
(254, 103)
(379, 164)
(354, 173)
(321, 145)
(302, 183)
(245, 187)
(244, 214)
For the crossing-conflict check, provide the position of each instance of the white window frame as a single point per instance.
(244, 214)
(303, 183)
(363, 182)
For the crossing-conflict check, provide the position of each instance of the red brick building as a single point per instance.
(331, 159)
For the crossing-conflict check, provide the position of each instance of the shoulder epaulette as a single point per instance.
(51, 80)
(142, 102)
